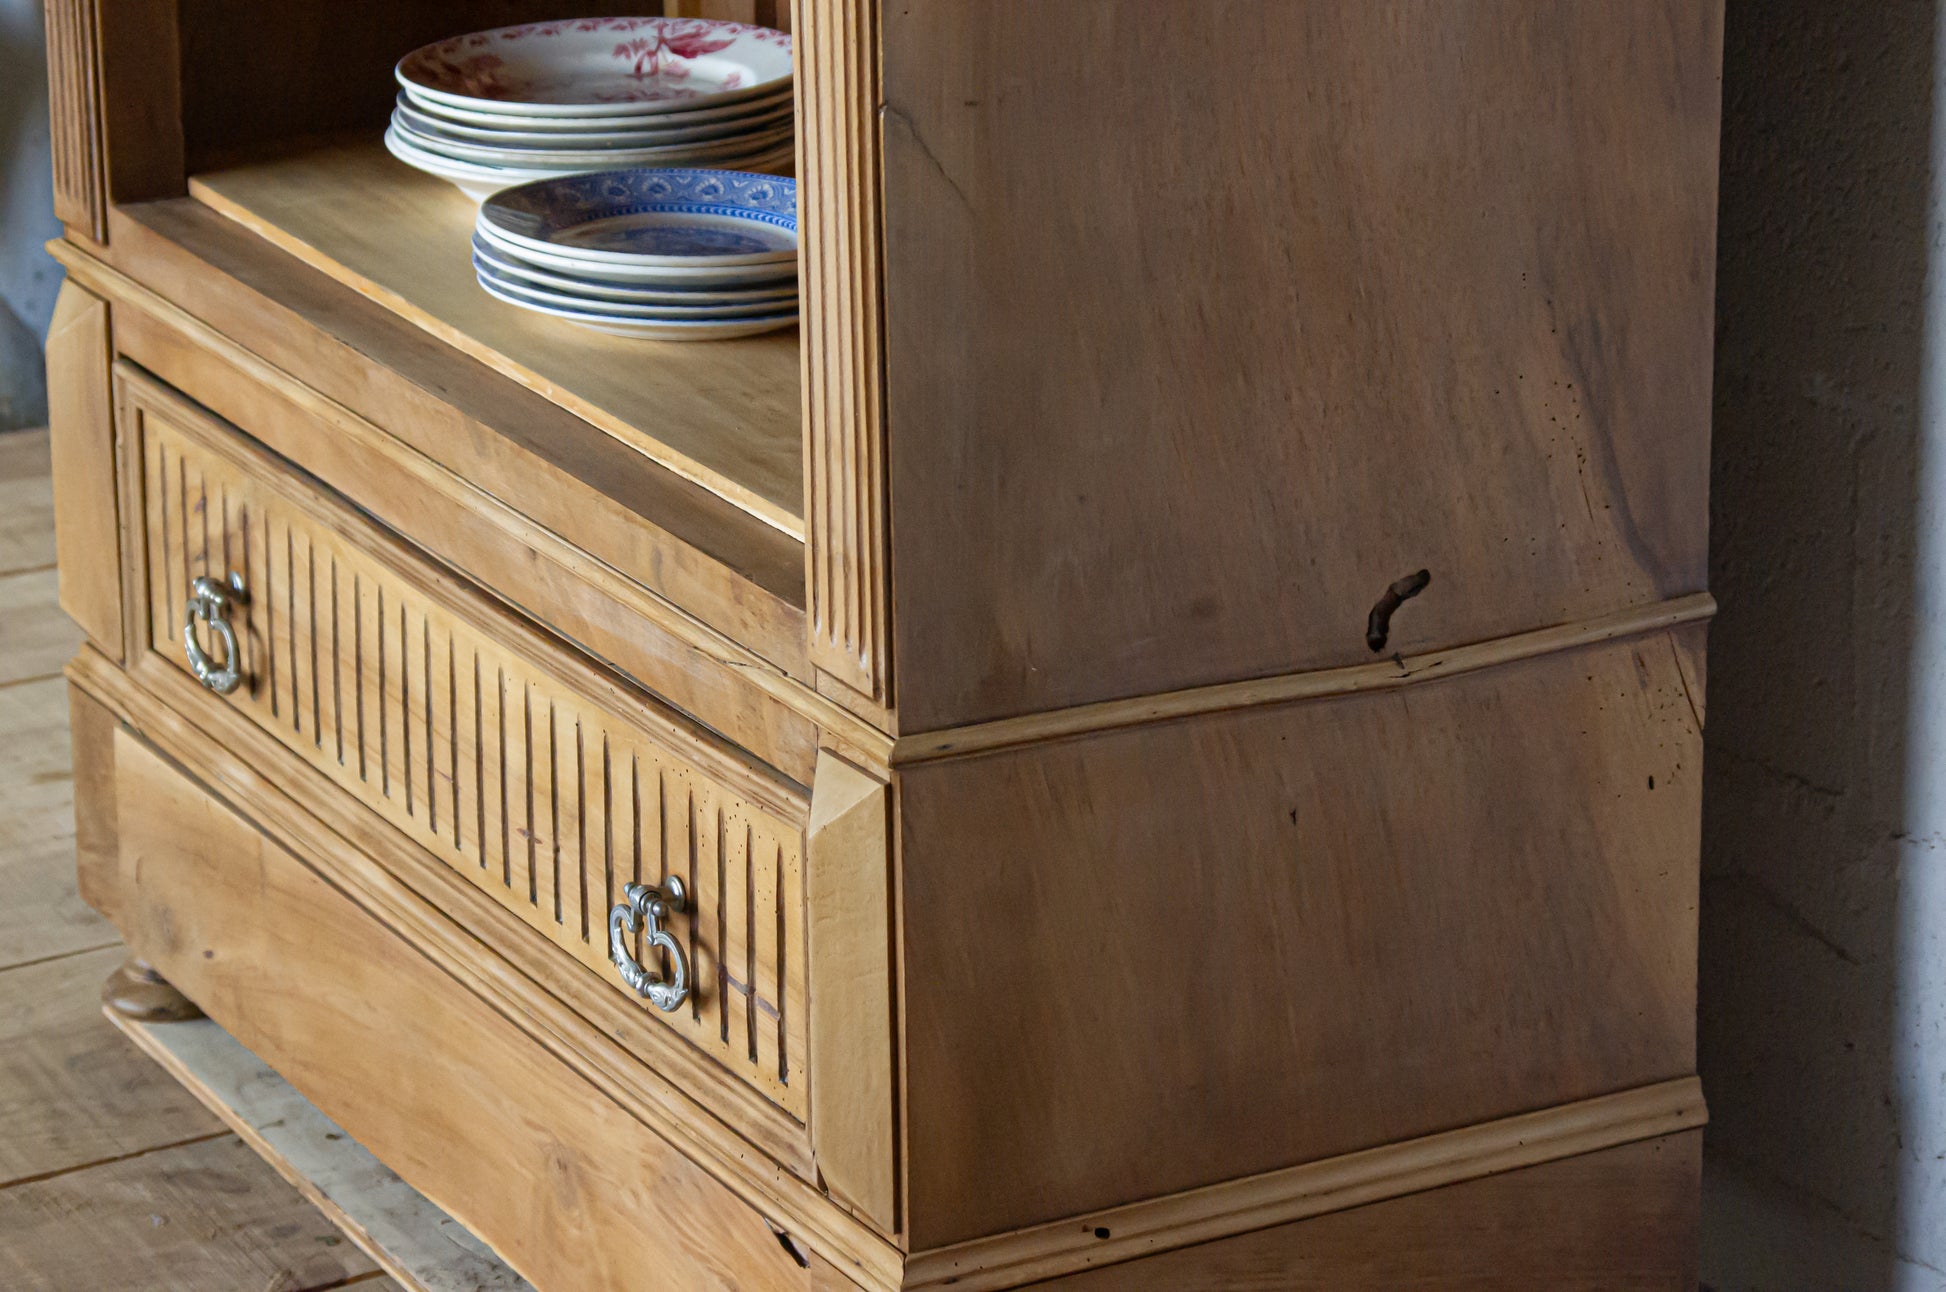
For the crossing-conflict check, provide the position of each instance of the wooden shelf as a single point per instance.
(724, 414)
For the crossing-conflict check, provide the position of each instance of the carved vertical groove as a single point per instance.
(844, 471)
(509, 774)
(74, 101)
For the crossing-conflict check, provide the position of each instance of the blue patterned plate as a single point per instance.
(528, 294)
(594, 290)
(652, 329)
(649, 218)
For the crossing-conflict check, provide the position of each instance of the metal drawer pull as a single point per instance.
(210, 601)
(649, 907)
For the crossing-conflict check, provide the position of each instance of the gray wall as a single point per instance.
(1823, 1011)
(28, 278)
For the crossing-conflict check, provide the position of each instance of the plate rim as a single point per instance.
(655, 274)
(785, 111)
(505, 262)
(399, 72)
(622, 310)
(499, 233)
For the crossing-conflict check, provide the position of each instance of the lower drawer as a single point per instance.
(522, 766)
(566, 1186)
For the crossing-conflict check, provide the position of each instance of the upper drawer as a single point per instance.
(493, 746)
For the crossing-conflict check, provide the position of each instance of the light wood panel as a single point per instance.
(319, 68)
(1180, 382)
(82, 445)
(569, 1017)
(1240, 1206)
(74, 115)
(483, 754)
(1391, 675)
(199, 1218)
(574, 1191)
(75, 1092)
(849, 897)
(715, 640)
(41, 914)
(844, 359)
(724, 414)
(1255, 939)
(393, 1223)
(1623, 1220)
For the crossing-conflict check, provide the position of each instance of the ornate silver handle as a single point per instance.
(647, 908)
(210, 601)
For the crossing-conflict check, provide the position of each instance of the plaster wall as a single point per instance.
(28, 278)
(1823, 989)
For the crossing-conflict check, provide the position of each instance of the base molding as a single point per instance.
(1335, 1184)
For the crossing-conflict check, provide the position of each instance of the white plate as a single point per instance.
(481, 182)
(600, 67)
(501, 120)
(767, 276)
(700, 153)
(690, 312)
(708, 330)
(682, 217)
(595, 291)
(608, 135)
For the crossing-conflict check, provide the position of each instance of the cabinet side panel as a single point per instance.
(844, 463)
(1205, 326)
(1148, 961)
(81, 442)
(1625, 1218)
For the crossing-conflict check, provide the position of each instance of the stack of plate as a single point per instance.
(515, 104)
(667, 255)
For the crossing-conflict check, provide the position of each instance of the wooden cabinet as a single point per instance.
(1107, 862)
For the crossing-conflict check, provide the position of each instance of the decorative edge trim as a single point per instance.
(74, 97)
(1387, 675)
(1335, 1184)
(843, 347)
(683, 625)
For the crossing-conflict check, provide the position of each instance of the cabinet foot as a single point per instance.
(137, 991)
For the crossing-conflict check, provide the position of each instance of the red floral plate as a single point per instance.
(600, 67)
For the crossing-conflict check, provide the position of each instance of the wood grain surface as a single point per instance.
(724, 414)
(1179, 382)
(509, 1142)
(74, 1092)
(194, 1218)
(82, 444)
(41, 914)
(1255, 939)
(425, 1249)
(1623, 1220)
(483, 743)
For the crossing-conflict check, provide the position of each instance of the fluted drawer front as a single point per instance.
(445, 715)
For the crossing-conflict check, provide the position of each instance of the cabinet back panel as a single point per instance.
(1205, 324)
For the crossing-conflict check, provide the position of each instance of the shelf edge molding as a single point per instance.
(1315, 1188)
(843, 352)
(1385, 675)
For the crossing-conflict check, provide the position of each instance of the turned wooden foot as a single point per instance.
(137, 991)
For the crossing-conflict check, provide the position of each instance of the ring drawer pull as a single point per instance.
(648, 907)
(210, 601)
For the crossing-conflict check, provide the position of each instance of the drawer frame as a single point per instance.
(715, 1118)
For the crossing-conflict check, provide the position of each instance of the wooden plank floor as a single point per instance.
(111, 1174)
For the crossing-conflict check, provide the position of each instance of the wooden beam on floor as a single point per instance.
(421, 1246)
